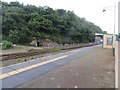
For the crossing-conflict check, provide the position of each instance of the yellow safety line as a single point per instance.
(29, 67)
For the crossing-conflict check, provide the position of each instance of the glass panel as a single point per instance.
(109, 41)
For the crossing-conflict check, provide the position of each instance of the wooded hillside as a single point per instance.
(21, 22)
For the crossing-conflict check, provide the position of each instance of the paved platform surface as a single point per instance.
(91, 67)
(18, 74)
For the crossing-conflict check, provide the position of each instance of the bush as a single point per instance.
(6, 44)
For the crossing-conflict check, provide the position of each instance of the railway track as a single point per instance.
(33, 52)
(21, 54)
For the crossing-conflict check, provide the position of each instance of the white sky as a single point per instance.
(89, 9)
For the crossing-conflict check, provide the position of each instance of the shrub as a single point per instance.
(6, 44)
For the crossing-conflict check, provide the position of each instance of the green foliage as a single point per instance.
(14, 36)
(20, 36)
(104, 32)
(6, 44)
(21, 23)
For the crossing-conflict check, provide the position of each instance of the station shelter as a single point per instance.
(108, 40)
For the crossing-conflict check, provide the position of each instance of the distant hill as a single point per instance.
(20, 23)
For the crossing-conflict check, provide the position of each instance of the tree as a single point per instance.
(22, 22)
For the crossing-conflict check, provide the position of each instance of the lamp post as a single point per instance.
(114, 45)
(114, 6)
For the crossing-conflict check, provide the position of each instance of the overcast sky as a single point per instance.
(89, 9)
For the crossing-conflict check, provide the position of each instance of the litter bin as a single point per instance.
(113, 49)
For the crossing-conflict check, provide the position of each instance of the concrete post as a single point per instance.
(117, 53)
